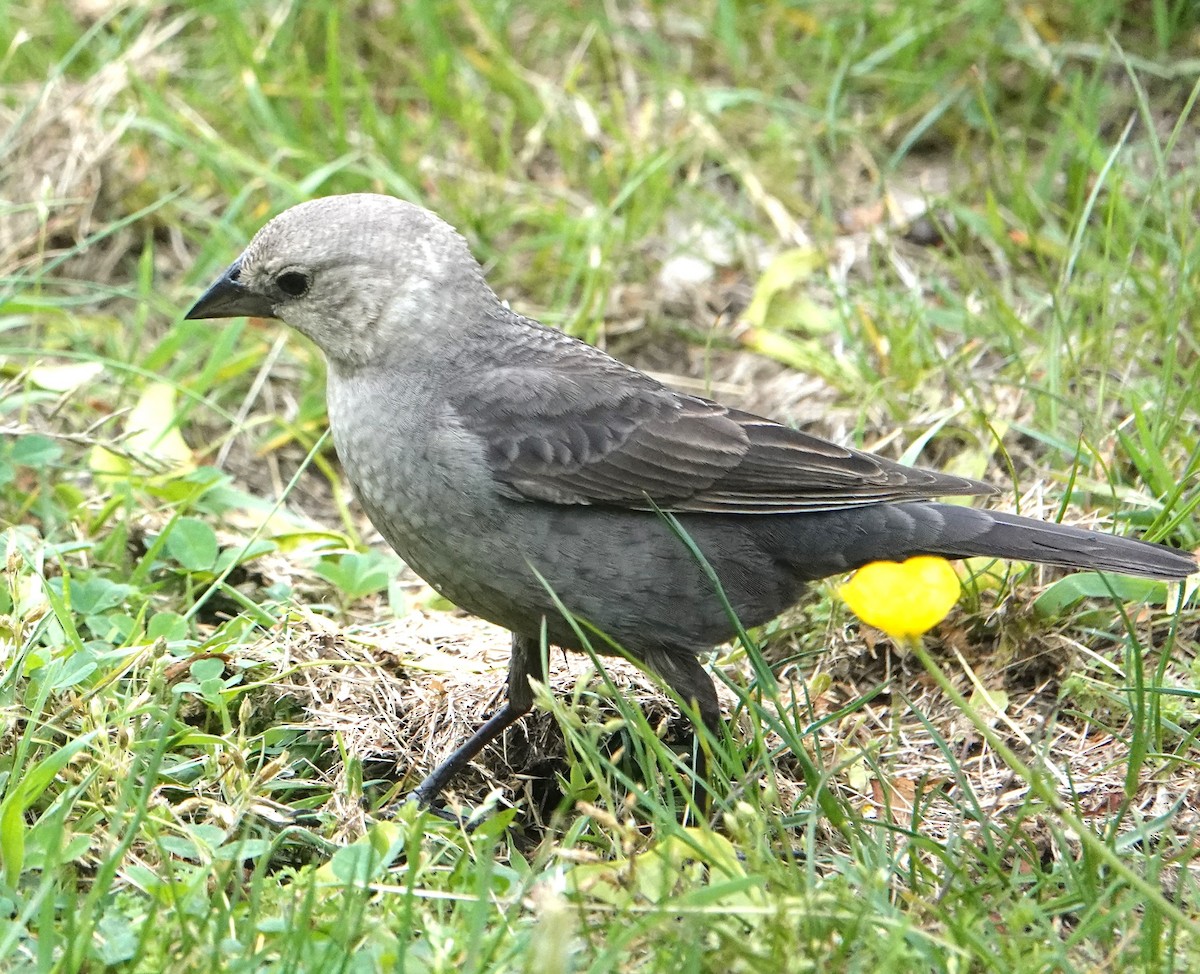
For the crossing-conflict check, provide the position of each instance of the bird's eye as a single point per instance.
(292, 283)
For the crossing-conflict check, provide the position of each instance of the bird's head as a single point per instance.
(354, 273)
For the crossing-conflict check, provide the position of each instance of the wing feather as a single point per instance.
(562, 422)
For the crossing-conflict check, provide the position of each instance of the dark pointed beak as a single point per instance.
(229, 298)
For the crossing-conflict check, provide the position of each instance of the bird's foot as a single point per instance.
(414, 803)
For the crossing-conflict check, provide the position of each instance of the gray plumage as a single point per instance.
(488, 449)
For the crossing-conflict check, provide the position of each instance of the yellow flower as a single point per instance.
(904, 599)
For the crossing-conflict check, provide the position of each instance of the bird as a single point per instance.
(522, 472)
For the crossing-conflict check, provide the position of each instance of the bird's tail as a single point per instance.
(1047, 543)
(897, 531)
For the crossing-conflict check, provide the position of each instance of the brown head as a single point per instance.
(350, 272)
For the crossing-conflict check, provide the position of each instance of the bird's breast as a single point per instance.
(423, 481)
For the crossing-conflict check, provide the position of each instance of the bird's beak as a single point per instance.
(229, 298)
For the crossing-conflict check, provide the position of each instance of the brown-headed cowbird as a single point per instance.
(505, 461)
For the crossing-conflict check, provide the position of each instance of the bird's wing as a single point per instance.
(577, 427)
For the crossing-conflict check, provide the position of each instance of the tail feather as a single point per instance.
(819, 545)
(966, 532)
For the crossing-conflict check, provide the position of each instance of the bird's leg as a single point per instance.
(526, 662)
(684, 673)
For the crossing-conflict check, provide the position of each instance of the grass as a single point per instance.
(198, 702)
